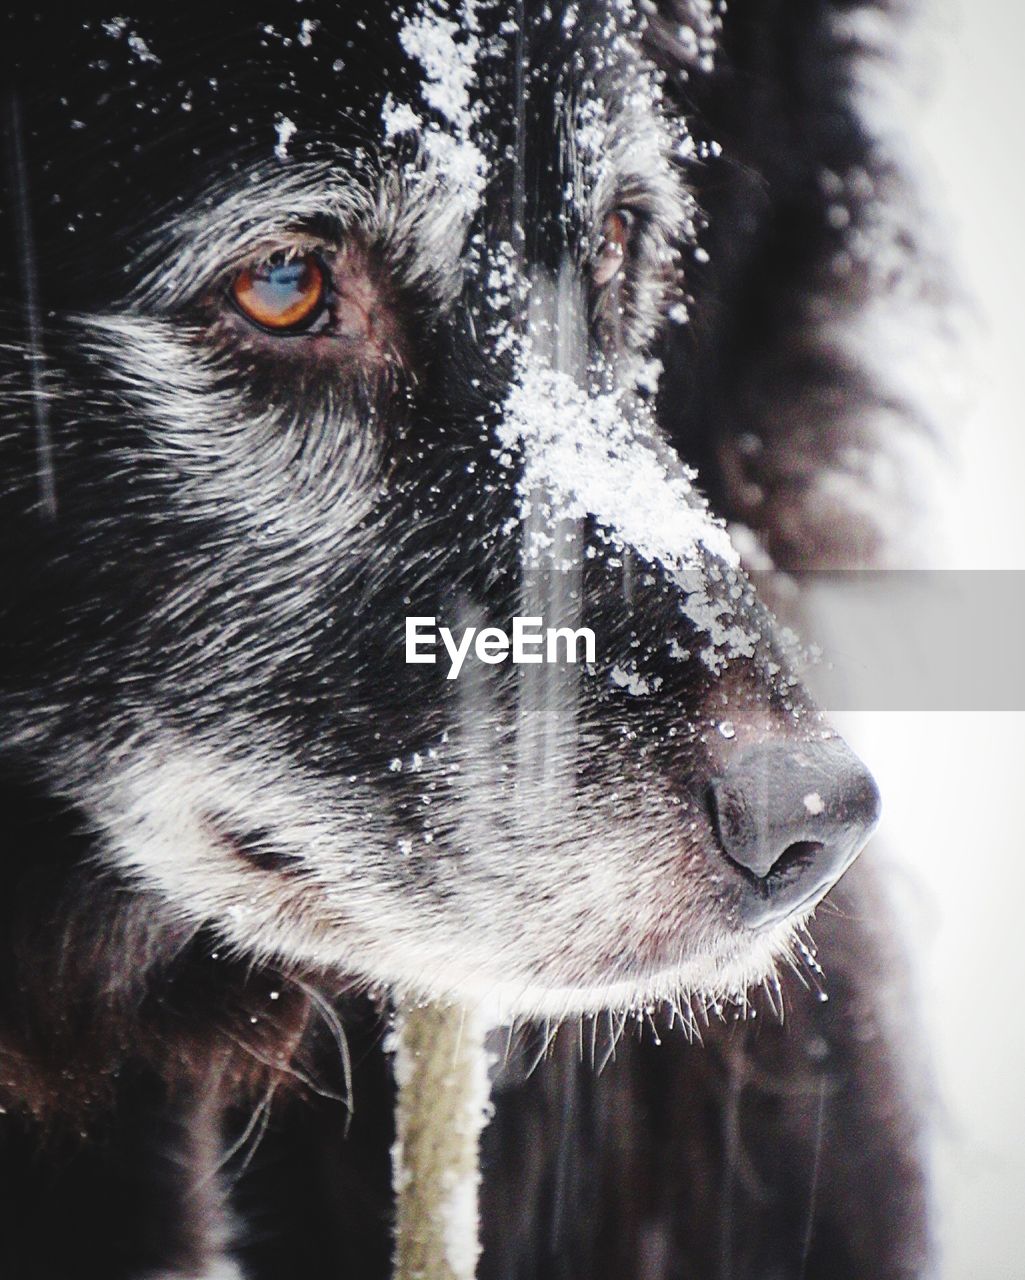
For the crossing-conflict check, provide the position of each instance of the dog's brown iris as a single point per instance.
(615, 237)
(282, 293)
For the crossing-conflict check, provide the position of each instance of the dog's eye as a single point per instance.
(615, 238)
(284, 294)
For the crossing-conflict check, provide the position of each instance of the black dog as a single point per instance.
(327, 317)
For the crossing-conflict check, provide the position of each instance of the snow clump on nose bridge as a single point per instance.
(596, 454)
(588, 457)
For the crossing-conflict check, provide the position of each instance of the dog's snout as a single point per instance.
(792, 818)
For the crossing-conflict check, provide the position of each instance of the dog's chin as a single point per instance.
(723, 976)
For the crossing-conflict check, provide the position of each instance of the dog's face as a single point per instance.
(341, 316)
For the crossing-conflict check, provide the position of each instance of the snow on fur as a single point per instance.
(447, 49)
(587, 456)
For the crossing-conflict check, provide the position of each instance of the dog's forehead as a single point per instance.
(127, 116)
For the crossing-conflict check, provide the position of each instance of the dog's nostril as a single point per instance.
(791, 819)
(796, 857)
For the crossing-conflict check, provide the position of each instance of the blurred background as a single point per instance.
(953, 782)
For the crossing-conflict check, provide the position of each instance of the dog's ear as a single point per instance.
(819, 299)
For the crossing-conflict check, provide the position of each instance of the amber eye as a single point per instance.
(615, 237)
(282, 294)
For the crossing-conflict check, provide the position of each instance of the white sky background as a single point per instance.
(953, 783)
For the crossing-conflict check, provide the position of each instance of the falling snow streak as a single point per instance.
(551, 559)
(30, 292)
(813, 1189)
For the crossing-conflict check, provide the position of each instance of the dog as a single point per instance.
(329, 323)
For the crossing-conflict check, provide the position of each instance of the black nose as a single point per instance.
(792, 818)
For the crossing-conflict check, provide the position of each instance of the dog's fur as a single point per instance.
(236, 819)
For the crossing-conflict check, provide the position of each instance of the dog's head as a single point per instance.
(341, 316)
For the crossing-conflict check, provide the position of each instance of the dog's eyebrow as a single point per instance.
(269, 207)
(631, 154)
(276, 205)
